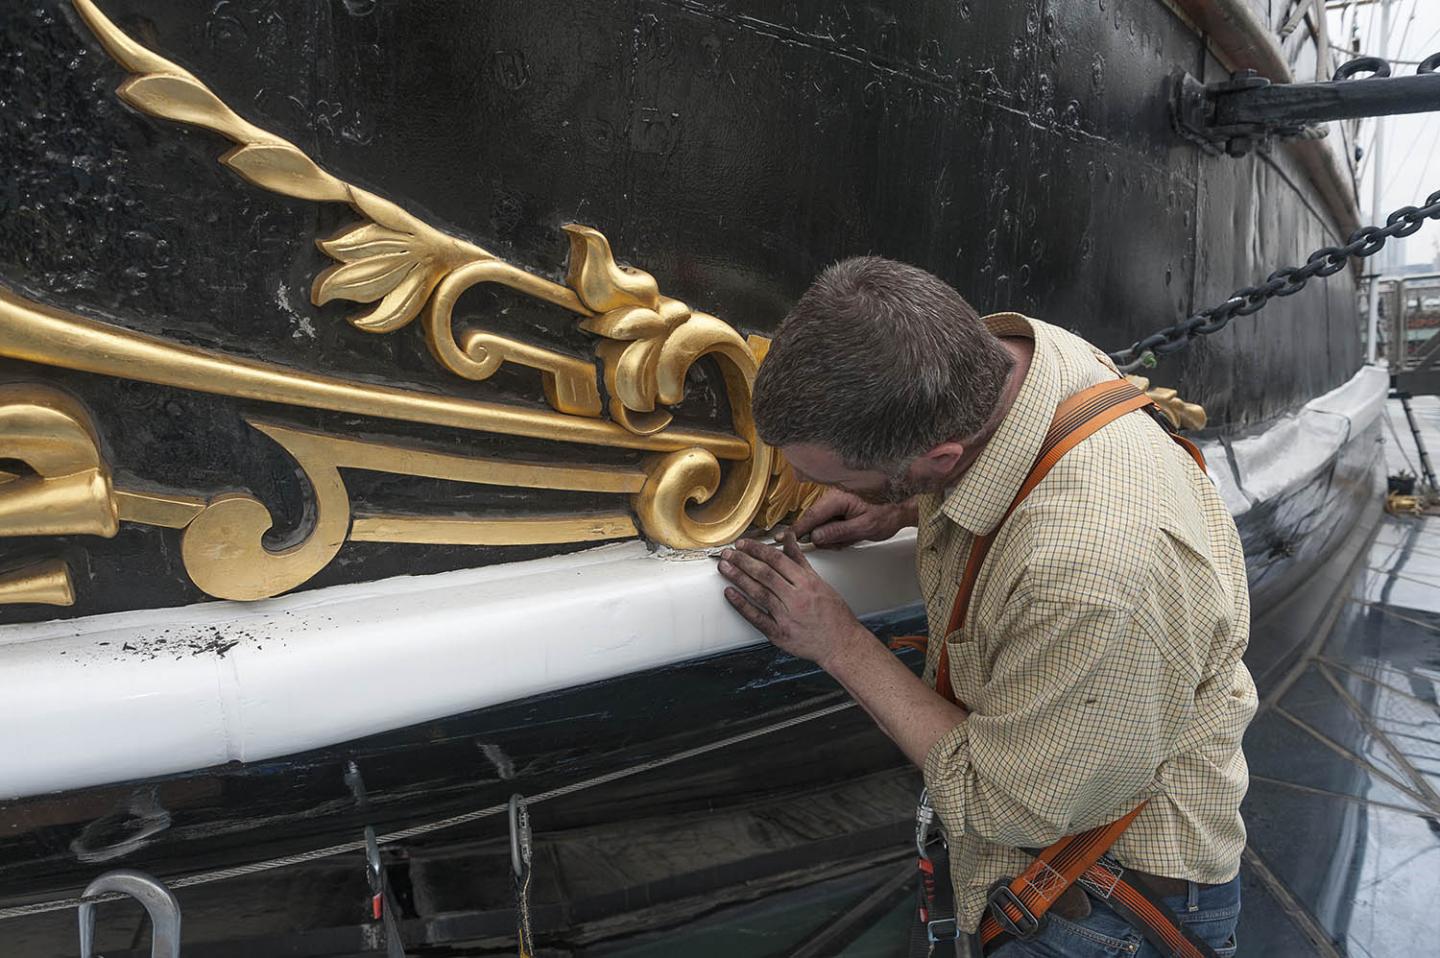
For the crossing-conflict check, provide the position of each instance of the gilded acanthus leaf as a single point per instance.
(400, 305)
(181, 98)
(282, 168)
(358, 242)
(364, 281)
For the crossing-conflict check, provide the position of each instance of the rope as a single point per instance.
(254, 868)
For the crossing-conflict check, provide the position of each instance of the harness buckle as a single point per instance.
(1001, 896)
(949, 930)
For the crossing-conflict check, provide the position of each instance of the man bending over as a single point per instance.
(1095, 665)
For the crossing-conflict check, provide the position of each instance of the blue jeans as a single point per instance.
(1211, 913)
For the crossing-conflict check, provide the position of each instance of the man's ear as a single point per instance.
(938, 463)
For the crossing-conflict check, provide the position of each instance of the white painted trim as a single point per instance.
(138, 694)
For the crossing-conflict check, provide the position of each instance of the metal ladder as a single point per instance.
(1427, 471)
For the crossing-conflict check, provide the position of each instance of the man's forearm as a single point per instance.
(905, 708)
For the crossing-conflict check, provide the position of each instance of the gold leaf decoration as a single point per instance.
(282, 168)
(703, 489)
(162, 88)
(183, 99)
(400, 305)
(356, 249)
(1182, 414)
(364, 281)
(358, 242)
(601, 283)
(631, 312)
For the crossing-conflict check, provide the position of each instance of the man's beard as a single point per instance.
(899, 487)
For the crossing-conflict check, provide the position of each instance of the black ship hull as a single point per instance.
(1024, 152)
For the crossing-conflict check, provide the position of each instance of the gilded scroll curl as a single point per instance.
(224, 546)
(733, 508)
(569, 383)
(688, 502)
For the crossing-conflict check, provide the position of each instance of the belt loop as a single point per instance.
(1193, 896)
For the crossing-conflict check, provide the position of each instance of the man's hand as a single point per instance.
(840, 518)
(782, 596)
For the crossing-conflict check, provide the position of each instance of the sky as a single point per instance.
(1412, 142)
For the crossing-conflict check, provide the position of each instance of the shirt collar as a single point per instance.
(979, 498)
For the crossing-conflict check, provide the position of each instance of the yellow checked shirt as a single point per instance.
(1101, 657)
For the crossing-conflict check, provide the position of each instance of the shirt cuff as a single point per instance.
(947, 765)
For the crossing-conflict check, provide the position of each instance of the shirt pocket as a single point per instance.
(969, 671)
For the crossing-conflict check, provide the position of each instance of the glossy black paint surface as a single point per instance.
(730, 147)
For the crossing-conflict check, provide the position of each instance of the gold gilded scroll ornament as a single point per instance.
(649, 339)
(63, 487)
(394, 259)
(225, 552)
(692, 488)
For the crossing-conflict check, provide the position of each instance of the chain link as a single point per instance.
(1287, 281)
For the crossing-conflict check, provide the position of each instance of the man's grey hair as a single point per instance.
(879, 361)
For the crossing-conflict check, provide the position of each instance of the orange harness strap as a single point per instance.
(1076, 419)
(1030, 895)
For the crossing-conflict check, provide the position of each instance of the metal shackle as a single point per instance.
(159, 903)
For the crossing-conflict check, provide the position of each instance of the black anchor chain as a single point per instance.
(1366, 241)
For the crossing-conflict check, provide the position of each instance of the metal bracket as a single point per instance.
(1247, 111)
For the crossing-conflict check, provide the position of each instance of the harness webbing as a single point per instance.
(1018, 907)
